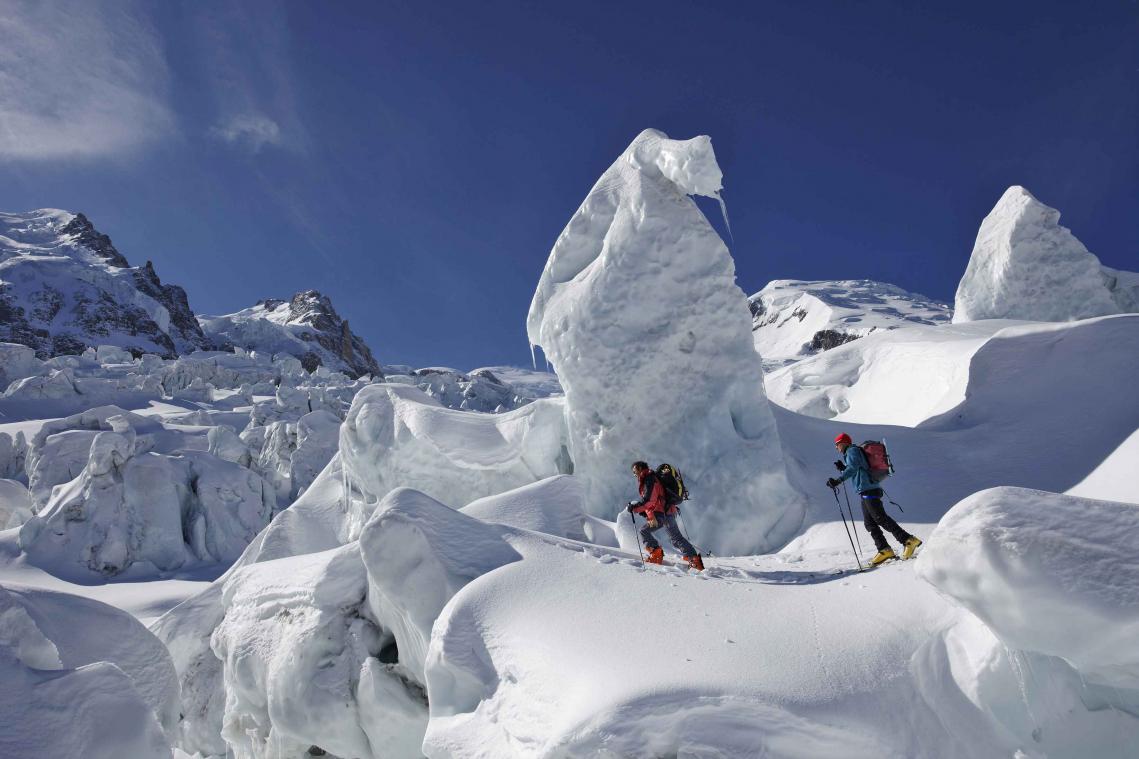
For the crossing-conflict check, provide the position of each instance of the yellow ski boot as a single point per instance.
(911, 546)
(883, 556)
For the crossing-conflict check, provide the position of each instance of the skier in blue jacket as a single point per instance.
(874, 516)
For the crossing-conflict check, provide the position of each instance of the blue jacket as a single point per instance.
(858, 469)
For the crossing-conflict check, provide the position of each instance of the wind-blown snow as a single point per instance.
(1114, 478)
(81, 679)
(639, 312)
(1026, 266)
(395, 435)
(554, 506)
(1017, 403)
(1048, 573)
(903, 378)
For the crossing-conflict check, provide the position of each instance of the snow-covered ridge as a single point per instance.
(794, 318)
(65, 287)
(305, 326)
(1026, 266)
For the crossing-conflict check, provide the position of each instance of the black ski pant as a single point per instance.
(875, 519)
(668, 522)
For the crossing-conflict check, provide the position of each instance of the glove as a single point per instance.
(632, 505)
(840, 466)
(833, 483)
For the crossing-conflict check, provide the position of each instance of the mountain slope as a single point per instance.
(792, 319)
(306, 326)
(65, 287)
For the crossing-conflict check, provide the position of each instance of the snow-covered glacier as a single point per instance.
(638, 310)
(439, 581)
(793, 319)
(306, 326)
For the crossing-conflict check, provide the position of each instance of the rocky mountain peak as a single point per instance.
(64, 287)
(313, 307)
(306, 326)
(83, 233)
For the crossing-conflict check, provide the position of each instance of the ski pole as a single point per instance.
(639, 551)
(837, 503)
(846, 494)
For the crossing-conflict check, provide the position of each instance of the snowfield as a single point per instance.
(230, 554)
(792, 319)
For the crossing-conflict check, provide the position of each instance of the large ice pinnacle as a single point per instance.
(640, 314)
(1026, 266)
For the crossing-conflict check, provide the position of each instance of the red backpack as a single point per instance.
(878, 459)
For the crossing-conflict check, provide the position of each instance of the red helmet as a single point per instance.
(843, 438)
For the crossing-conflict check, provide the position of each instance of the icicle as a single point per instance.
(724, 213)
(533, 357)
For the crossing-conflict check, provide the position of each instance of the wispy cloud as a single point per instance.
(79, 78)
(244, 54)
(252, 131)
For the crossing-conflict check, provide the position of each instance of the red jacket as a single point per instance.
(653, 501)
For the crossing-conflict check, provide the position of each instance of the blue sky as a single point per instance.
(416, 161)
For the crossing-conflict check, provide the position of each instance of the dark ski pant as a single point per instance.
(668, 522)
(875, 519)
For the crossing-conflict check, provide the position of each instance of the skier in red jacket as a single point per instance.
(655, 507)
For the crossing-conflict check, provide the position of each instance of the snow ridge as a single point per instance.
(793, 319)
(306, 326)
